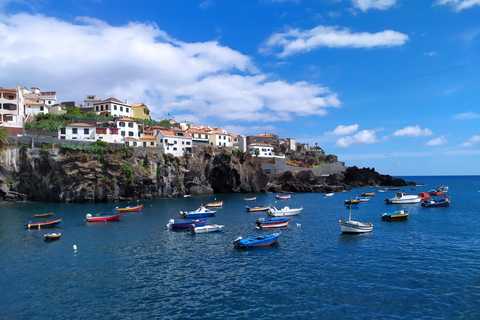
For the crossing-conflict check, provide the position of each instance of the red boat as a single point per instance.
(436, 192)
(103, 217)
(39, 225)
(424, 195)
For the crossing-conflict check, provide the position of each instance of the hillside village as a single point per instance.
(130, 125)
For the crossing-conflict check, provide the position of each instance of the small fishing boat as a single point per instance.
(368, 194)
(130, 208)
(355, 201)
(435, 192)
(39, 225)
(403, 197)
(186, 223)
(105, 216)
(328, 194)
(206, 228)
(286, 211)
(258, 208)
(381, 190)
(213, 204)
(250, 199)
(424, 195)
(260, 241)
(42, 215)
(393, 189)
(263, 223)
(352, 206)
(199, 213)
(284, 197)
(444, 202)
(52, 236)
(395, 215)
(365, 199)
(351, 226)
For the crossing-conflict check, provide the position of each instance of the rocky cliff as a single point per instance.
(64, 175)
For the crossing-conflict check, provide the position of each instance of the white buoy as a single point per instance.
(299, 225)
(75, 247)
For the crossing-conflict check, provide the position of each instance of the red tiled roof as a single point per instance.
(124, 119)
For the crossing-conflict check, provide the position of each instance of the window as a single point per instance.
(121, 109)
(152, 143)
(130, 124)
(86, 131)
(114, 131)
(161, 140)
(96, 108)
(74, 130)
(144, 144)
(206, 136)
(134, 143)
(130, 134)
(123, 133)
(126, 110)
(174, 149)
(121, 124)
(183, 142)
(175, 142)
(166, 140)
(188, 143)
(114, 107)
(220, 144)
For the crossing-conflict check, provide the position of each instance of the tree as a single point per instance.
(257, 152)
(3, 136)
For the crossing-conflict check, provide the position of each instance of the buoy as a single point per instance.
(75, 247)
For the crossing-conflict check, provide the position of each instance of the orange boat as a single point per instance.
(368, 194)
(130, 208)
(213, 204)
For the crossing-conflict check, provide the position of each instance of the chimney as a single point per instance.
(126, 101)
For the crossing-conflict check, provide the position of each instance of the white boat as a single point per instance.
(286, 211)
(199, 213)
(328, 194)
(207, 228)
(403, 197)
(351, 226)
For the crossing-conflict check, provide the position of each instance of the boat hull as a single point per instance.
(261, 241)
(405, 201)
(39, 225)
(101, 218)
(431, 204)
(213, 204)
(207, 229)
(395, 215)
(272, 223)
(188, 224)
(355, 226)
(283, 197)
(41, 215)
(285, 212)
(256, 209)
(52, 236)
(130, 209)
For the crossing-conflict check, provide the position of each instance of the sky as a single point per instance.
(385, 84)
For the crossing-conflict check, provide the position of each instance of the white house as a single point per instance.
(12, 111)
(174, 142)
(219, 138)
(35, 107)
(78, 131)
(199, 136)
(240, 142)
(264, 149)
(113, 108)
(108, 132)
(128, 128)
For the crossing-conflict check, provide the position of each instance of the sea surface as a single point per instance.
(427, 267)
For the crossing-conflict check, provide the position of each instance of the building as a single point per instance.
(90, 101)
(113, 108)
(108, 132)
(35, 94)
(148, 141)
(264, 149)
(77, 131)
(34, 107)
(219, 138)
(140, 111)
(12, 110)
(175, 142)
(128, 127)
(240, 142)
(200, 137)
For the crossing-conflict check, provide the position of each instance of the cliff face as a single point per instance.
(60, 175)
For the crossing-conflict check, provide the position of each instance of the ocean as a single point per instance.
(427, 267)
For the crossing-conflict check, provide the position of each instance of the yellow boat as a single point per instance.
(43, 215)
(250, 199)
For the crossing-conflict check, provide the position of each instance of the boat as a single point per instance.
(284, 197)
(444, 202)
(258, 208)
(206, 228)
(403, 197)
(435, 192)
(105, 216)
(186, 223)
(328, 194)
(272, 222)
(199, 213)
(260, 241)
(213, 204)
(393, 189)
(395, 215)
(365, 199)
(286, 211)
(355, 201)
(250, 199)
(381, 190)
(52, 236)
(424, 195)
(351, 226)
(352, 206)
(130, 208)
(41, 215)
(368, 194)
(39, 225)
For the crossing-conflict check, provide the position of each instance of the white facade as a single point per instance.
(12, 110)
(128, 128)
(220, 139)
(113, 107)
(90, 100)
(264, 149)
(108, 134)
(174, 142)
(77, 131)
(34, 107)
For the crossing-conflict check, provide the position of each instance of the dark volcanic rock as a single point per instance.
(366, 177)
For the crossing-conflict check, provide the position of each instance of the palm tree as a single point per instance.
(3, 136)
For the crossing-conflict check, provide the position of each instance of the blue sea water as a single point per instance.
(427, 267)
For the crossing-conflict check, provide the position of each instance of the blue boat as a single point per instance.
(395, 215)
(260, 241)
(199, 213)
(186, 223)
(272, 222)
(444, 202)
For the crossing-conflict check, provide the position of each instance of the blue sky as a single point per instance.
(389, 84)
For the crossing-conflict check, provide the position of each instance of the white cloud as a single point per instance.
(365, 5)
(437, 141)
(363, 137)
(458, 5)
(430, 54)
(467, 116)
(474, 139)
(295, 40)
(139, 62)
(412, 132)
(343, 130)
